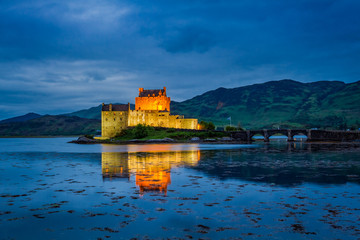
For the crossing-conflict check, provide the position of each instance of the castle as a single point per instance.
(152, 108)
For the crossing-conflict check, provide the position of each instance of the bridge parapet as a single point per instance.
(312, 135)
(333, 135)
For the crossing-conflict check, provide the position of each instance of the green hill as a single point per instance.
(284, 104)
(51, 126)
(275, 104)
(91, 113)
(21, 118)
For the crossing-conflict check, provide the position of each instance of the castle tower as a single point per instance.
(152, 99)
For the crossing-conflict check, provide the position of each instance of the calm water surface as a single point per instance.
(51, 189)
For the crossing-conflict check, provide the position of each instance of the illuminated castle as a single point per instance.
(152, 107)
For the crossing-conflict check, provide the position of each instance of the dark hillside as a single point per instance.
(91, 113)
(284, 103)
(22, 118)
(51, 126)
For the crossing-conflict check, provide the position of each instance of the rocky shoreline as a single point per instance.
(326, 145)
(85, 140)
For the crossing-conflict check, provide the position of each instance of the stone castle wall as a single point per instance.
(113, 122)
(160, 119)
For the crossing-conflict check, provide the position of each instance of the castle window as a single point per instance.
(114, 119)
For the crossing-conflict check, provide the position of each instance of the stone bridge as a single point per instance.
(312, 135)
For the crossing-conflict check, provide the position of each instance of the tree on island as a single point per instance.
(231, 128)
(206, 125)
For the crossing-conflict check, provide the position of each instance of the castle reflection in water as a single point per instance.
(152, 170)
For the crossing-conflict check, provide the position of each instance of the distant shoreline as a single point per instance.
(83, 140)
(60, 136)
(213, 141)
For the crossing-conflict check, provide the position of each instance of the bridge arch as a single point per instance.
(257, 136)
(253, 133)
(299, 132)
(272, 132)
(267, 133)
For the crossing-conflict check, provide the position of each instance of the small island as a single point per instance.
(148, 134)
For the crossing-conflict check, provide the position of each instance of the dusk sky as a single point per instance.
(62, 56)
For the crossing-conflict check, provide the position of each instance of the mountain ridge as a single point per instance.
(92, 112)
(274, 104)
(22, 118)
(50, 125)
(284, 103)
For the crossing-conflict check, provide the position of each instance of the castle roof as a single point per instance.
(152, 92)
(115, 107)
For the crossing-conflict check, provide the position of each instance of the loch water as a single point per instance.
(51, 189)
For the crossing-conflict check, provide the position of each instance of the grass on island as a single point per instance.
(143, 132)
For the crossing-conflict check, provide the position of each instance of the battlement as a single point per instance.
(152, 92)
(115, 107)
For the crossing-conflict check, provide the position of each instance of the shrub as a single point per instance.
(207, 125)
(141, 131)
(171, 130)
(230, 128)
(123, 132)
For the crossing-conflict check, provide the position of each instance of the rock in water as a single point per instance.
(195, 139)
(84, 140)
(160, 140)
(210, 140)
(169, 139)
(226, 139)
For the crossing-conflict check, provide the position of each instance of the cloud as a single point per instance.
(60, 56)
(187, 40)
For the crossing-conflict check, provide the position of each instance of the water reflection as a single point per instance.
(277, 163)
(152, 170)
(115, 165)
(286, 165)
(226, 192)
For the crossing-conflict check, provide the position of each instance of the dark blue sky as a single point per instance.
(62, 56)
